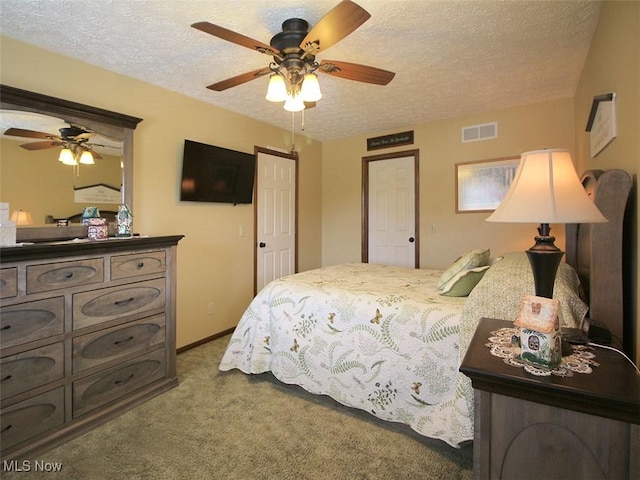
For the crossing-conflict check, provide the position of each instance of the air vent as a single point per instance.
(475, 133)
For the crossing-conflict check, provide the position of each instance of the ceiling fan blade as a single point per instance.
(354, 71)
(339, 22)
(19, 132)
(239, 79)
(95, 154)
(40, 145)
(234, 37)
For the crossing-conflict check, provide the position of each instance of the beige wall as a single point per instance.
(215, 264)
(532, 127)
(613, 65)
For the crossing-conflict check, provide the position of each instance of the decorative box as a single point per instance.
(89, 213)
(540, 338)
(97, 228)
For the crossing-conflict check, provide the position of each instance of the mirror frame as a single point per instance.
(115, 125)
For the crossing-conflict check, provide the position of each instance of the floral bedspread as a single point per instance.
(373, 337)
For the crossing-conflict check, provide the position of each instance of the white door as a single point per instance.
(275, 216)
(391, 212)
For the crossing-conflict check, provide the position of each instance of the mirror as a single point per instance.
(107, 134)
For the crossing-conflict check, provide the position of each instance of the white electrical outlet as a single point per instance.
(210, 309)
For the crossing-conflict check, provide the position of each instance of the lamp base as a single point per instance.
(544, 258)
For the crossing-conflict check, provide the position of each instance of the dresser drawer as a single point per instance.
(31, 369)
(125, 266)
(27, 419)
(25, 322)
(91, 308)
(109, 344)
(54, 276)
(8, 282)
(114, 383)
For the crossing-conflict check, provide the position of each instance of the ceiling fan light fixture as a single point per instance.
(87, 158)
(66, 157)
(277, 89)
(310, 91)
(294, 103)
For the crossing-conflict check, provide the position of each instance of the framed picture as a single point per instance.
(602, 124)
(481, 185)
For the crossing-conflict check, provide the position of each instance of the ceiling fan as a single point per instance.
(293, 79)
(73, 140)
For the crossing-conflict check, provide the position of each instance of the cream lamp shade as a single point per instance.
(21, 217)
(546, 189)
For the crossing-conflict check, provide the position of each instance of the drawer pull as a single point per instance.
(5, 378)
(68, 275)
(140, 265)
(120, 342)
(6, 327)
(120, 303)
(6, 428)
(122, 382)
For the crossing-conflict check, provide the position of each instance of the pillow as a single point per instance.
(462, 284)
(474, 258)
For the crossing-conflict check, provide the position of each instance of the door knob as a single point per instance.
(262, 244)
(411, 239)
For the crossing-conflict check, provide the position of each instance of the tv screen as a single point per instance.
(216, 174)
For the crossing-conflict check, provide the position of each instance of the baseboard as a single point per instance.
(205, 340)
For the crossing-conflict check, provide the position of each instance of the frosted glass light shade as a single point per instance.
(546, 189)
(87, 158)
(66, 157)
(294, 104)
(277, 89)
(310, 90)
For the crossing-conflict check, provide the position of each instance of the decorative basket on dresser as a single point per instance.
(87, 332)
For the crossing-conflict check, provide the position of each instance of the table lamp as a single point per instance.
(21, 217)
(546, 189)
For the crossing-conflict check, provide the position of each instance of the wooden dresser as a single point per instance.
(87, 331)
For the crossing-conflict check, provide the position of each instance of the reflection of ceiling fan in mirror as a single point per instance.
(73, 139)
(293, 79)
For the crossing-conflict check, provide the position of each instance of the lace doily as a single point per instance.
(502, 344)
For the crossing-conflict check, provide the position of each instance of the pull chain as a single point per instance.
(293, 133)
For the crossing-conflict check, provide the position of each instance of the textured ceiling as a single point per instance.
(451, 58)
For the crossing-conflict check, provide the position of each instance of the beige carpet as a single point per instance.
(228, 425)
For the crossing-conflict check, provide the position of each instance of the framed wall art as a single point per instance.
(602, 124)
(482, 184)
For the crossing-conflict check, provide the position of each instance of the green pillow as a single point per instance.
(465, 281)
(474, 258)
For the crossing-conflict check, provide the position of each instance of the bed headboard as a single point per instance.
(596, 252)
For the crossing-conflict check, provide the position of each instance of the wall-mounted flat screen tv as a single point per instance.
(216, 174)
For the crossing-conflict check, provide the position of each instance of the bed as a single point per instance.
(389, 340)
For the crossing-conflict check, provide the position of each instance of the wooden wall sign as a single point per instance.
(99, 193)
(388, 141)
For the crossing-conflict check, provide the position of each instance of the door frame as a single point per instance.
(365, 199)
(292, 156)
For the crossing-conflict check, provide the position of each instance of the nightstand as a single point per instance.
(583, 426)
